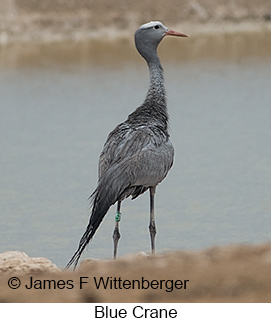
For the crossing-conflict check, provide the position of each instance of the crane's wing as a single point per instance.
(144, 154)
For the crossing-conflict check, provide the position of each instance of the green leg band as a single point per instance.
(117, 217)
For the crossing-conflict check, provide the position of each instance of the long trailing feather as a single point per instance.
(105, 195)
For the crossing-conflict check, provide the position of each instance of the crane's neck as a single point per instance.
(156, 101)
(154, 109)
(156, 95)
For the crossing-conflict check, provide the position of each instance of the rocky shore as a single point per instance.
(55, 20)
(235, 273)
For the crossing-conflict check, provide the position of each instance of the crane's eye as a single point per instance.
(156, 27)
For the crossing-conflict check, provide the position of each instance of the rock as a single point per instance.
(17, 262)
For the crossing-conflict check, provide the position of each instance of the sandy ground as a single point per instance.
(237, 273)
(55, 20)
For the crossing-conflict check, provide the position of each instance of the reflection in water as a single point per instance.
(99, 52)
(59, 102)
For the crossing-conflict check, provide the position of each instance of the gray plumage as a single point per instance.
(137, 154)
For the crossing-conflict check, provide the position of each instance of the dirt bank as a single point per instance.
(239, 273)
(53, 20)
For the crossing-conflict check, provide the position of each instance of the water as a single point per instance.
(59, 102)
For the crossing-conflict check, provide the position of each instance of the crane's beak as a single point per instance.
(171, 32)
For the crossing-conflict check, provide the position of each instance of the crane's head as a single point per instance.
(149, 35)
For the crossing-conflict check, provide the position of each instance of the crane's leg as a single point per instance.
(116, 233)
(152, 227)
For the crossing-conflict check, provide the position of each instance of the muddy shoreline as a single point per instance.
(47, 21)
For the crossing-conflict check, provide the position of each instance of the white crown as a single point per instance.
(151, 24)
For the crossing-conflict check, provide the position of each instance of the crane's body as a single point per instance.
(137, 154)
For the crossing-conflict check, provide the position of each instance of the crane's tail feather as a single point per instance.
(106, 194)
(82, 245)
(97, 215)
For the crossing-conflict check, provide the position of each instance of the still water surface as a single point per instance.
(58, 102)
